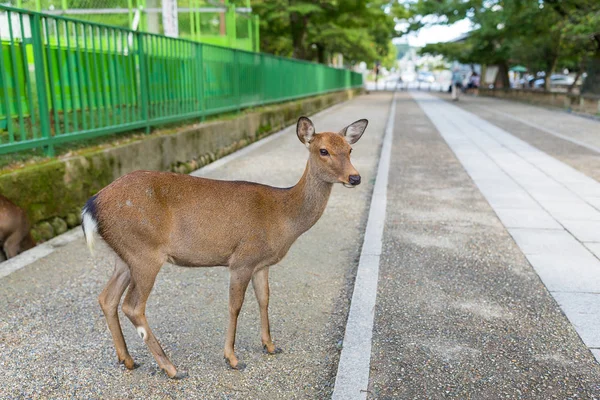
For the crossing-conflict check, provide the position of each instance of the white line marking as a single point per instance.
(352, 378)
(40, 251)
(47, 248)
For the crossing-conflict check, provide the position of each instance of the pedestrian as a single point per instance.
(456, 83)
(473, 81)
(376, 73)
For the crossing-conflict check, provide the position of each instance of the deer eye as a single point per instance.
(324, 152)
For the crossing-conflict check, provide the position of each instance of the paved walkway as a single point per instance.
(460, 311)
(488, 284)
(551, 210)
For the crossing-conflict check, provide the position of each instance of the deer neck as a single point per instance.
(307, 200)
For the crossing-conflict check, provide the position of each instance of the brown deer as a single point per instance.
(14, 229)
(149, 218)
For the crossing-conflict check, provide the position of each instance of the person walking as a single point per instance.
(456, 83)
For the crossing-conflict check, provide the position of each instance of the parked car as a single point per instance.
(426, 77)
(555, 80)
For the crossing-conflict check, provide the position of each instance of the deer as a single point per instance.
(149, 218)
(14, 230)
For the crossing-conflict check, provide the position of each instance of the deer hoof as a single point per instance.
(276, 350)
(129, 363)
(240, 366)
(179, 375)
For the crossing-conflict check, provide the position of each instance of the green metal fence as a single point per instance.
(63, 79)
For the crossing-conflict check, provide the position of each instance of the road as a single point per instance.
(464, 307)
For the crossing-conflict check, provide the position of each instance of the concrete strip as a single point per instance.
(352, 378)
(540, 181)
(43, 250)
(31, 256)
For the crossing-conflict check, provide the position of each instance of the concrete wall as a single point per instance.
(588, 104)
(53, 193)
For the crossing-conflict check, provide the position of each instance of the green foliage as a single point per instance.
(389, 60)
(359, 29)
(543, 35)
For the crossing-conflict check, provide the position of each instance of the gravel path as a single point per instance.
(54, 342)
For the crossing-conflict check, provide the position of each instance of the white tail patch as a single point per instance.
(90, 226)
(142, 332)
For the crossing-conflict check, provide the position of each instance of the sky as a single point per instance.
(434, 33)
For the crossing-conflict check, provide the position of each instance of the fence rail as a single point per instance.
(63, 80)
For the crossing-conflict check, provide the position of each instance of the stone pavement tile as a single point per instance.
(594, 248)
(577, 156)
(582, 310)
(585, 189)
(585, 231)
(555, 192)
(573, 272)
(526, 218)
(596, 353)
(571, 210)
(499, 186)
(594, 202)
(518, 199)
(545, 241)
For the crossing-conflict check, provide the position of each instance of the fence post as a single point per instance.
(237, 78)
(40, 80)
(200, 72)
(144, 96)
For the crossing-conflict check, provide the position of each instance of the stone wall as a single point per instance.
(52, 193)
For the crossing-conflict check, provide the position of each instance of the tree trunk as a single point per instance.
(591, 85)
(547, 80)
(572, 86)
(502, 80)
(298, 30)
(321, 54)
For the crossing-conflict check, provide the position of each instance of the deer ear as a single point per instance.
(305, 130)
(354, 131)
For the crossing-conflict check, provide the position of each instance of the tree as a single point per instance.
(542, 34)
(313, 30)
(580, 28)
(487, 44)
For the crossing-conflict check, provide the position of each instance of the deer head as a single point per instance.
(330, 152)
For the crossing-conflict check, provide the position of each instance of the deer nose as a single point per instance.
(354, 179)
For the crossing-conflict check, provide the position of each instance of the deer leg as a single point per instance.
(143, 275)
(109, 301)
(238, 283)
(260, 282)
(12, 245)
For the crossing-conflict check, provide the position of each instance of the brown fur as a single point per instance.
(14, 229)
(149, 218)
